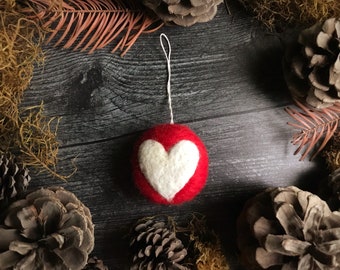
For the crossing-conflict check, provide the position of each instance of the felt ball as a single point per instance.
(170, 164)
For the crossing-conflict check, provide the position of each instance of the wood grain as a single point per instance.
(227, 86)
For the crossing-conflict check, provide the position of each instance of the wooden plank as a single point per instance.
(217, 69)
(247, 154)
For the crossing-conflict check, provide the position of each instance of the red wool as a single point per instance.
(168, 135)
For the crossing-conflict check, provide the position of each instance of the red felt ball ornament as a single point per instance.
(170, 164)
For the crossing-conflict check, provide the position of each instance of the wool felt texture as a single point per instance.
(178, 148)
(168, 172)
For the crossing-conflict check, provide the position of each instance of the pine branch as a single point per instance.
(88, 25)
(317, 126)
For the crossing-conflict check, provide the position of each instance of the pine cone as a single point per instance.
(94, 263)
(287, 228)
(155, 247)
(184, 12)
(48, 229)
(14, 178)
(312, 66)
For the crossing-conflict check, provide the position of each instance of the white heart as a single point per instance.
(168, 172)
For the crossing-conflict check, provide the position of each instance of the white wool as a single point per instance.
(167, 172)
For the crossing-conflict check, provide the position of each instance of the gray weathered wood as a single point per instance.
(227, 86)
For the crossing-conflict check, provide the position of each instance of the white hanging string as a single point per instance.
(167, 56)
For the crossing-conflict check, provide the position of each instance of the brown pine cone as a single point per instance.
(14, 178)
(287, 228)
(312, 65)
(154, 246)
(48, 229)
(94, 263)
(184, 12)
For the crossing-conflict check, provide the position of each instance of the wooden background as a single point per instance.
(227, 86)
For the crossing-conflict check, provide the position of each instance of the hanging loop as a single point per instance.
(167, 54)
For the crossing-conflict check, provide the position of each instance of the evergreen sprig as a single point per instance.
(88, 25)
(317, 127)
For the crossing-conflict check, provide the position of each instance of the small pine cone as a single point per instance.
(184, 12)
(287, 228)
(94, 263)
(154, 246)
(312, 66)
(48, 229)
(14, 178)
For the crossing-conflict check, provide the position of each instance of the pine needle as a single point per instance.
(88, 25)
(317, 127)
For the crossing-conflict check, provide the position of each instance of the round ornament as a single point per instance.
(170, 164)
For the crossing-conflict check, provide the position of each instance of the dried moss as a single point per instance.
(332, 152)
(204, 247)
(279, 14)
(207, 246)
(25, 132)
(20, 40)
